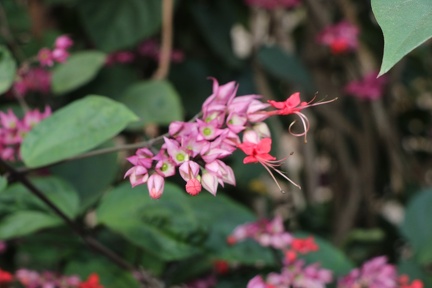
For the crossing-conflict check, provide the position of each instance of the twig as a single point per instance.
(167, 35)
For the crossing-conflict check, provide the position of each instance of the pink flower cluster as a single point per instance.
(59, 54)
(294, 274)
(376, 273)
(340, 38)
(273, 4)
(13, 130)
(197, 148)
(32, 79)
(32, 279)
(271, 233)
(149, 49)
(368, 88)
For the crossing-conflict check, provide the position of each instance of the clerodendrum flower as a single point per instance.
(257, 151)
(293, 105)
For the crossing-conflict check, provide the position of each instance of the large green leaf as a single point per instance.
(76, 128)
(90, 176)
(25, 222)
(228, 215)
(285, 67)
(154, 102)
(328, 256)
(62, 194)
(7, 69)
(114, 24)
(80, 68)
(3, 183)
(417, 228)
(163, 227)
(405, 25)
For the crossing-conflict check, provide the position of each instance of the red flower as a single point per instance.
(5, 277)
(91, 282)
(257, 152)
(293, 105)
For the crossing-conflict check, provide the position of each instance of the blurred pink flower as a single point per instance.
(273, 4)
(3, 247)
(340, 38)
(63, 42)
(375, 273)
(368, 88)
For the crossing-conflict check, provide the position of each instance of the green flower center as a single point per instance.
(164, 167)
(207, 131)
(180, 157)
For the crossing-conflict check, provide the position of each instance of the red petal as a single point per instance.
(247, 148)
(293, 100)
(266, 157)
(264, 146)
(277, 105)
(250, 159)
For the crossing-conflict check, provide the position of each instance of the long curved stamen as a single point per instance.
(306, 125)
(271, 174)
(267, 165)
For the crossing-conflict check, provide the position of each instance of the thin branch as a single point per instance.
(167, 35)
(91, 242)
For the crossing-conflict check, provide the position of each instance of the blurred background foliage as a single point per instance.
(365, 172)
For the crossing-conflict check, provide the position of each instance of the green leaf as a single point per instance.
(3, 183)
(228, 215)
(79, 69)
(328, 256)
(61, 193)
(405, 25)
(7, 69)
(162, 227)
(115, 25)
(90, 176)
(286, 67)
(154, 102)
(416, 226)
(76, 128)
(25, 222)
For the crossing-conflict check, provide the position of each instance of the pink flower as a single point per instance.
(368, 88)
(3, 247)
(45, 57)
(273, 4)
(60, 55)
(155, 185)
(63, 42)
(375, 273)
(340, 38)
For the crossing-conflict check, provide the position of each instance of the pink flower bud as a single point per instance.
(189, 170)
(209, 182)
(193, 186)
(63, 42)
(60, 55)
(155, 185)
